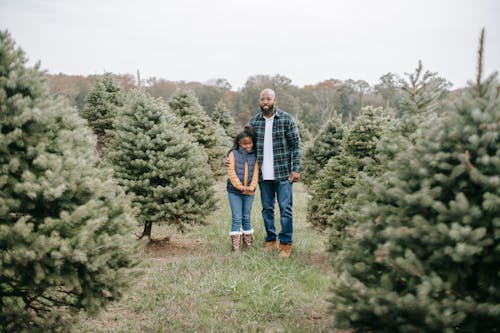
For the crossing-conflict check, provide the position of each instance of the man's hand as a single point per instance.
(294, 177)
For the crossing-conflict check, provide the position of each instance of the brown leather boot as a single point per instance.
(270, 246)
(236, 242)
(285, 250)
(247, 239)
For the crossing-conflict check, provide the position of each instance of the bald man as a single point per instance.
(279, 152)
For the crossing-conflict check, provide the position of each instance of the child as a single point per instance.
(243, 176)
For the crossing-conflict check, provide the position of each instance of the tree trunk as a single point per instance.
(147, 230)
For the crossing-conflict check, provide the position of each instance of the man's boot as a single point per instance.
(270, 245)
(285, 250)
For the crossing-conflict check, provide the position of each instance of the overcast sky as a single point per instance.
(307, 41)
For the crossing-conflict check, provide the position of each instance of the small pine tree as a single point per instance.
(223, 117)
(160, 164)
(64, 224)
(100, 109)
(424, 256)
(186, 107)
(325, 146)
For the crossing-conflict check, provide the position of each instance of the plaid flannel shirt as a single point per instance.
(286, 143)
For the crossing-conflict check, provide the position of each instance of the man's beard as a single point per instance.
(267, 112)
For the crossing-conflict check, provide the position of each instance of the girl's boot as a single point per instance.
(236, 241)
(248, 238)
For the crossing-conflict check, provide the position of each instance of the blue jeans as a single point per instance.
(241, 206)
(283, 191)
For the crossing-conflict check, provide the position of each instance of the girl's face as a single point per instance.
(246, 144)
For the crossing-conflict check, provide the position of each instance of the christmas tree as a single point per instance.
(160, 164)
(356, 153)
(64, 224)
(100, 109)
(325, 146)
(186, 107)
(420, 97)
(424, 256)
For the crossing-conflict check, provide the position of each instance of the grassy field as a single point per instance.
(194, 283)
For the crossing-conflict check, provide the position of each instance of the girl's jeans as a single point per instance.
(241, 206)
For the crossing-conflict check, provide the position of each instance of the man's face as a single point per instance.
(266, 102)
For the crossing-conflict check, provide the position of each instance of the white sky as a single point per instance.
(307, 41)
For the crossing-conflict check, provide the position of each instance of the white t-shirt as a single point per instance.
(268, 159)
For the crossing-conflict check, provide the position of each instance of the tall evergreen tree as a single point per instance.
(64, 224)
(424, 256)
(100, 108)
(324, 146)
(160, 164)
(418, 102)
(186, 107)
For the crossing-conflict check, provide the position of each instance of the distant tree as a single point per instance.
(160, 164)
(101, 107)
(305, 134)
(195, 120)
(389, 88)
(223, 117)
(64, 224)
(423, 255)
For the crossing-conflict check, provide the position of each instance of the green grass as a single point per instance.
(204, 287)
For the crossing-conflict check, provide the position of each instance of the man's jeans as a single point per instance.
(241, 206)
(283, 191)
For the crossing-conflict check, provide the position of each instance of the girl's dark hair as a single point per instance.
(248, 132)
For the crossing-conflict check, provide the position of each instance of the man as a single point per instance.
(278, 151)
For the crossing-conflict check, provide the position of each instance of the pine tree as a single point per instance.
(424, 256)
(160, 164)
(100, 109)
(223, 117)
(324, 146)
(186, 107)
(64, 224)
(419, 100)
(357, 152)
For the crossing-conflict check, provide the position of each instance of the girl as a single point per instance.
(243, 176)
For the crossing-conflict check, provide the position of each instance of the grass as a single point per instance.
(194, 283)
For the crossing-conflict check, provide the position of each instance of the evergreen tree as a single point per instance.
(325, 146)
(64, 224)
(100, 108)
(424, 256)
(186, 107)
(160, 164)
(418, 103)
(223, 117)
(421, 93)
(328, 191)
